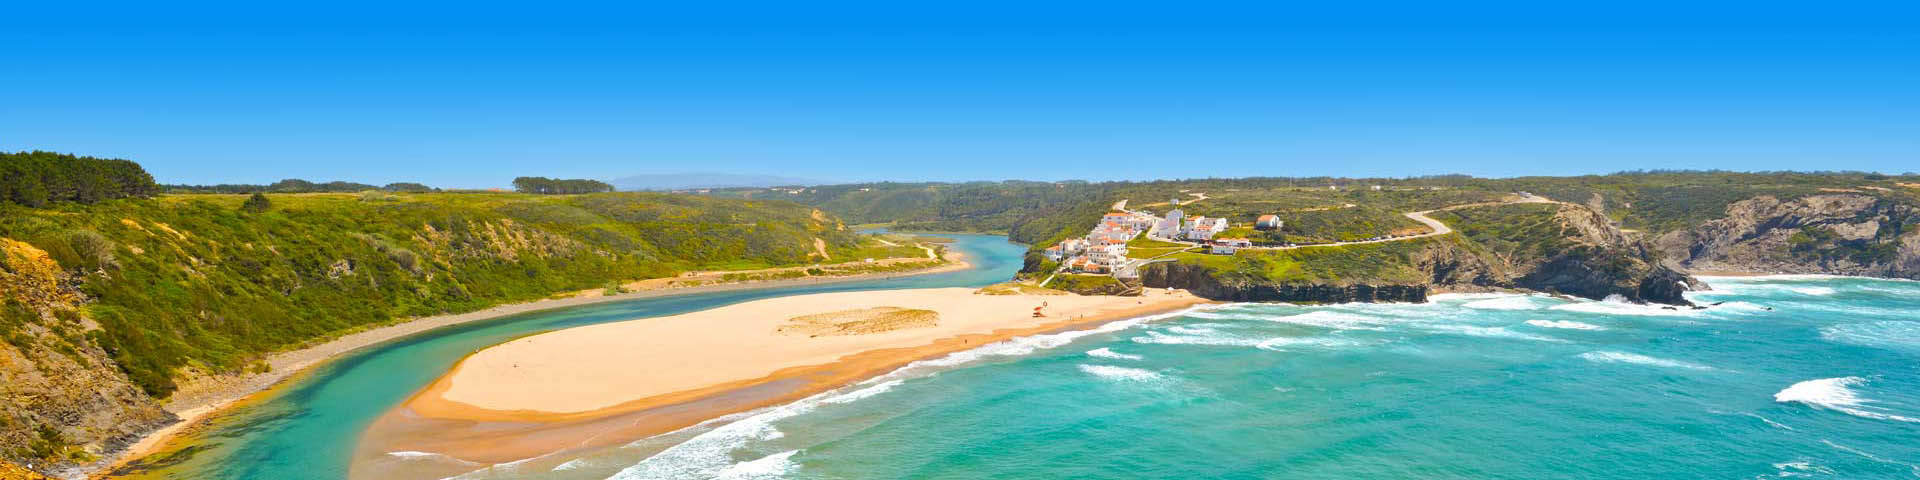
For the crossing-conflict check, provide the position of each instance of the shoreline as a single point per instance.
(432, 423)
(217, 394)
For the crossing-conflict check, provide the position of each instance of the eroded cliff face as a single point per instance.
(1843, 234)
(63, 401)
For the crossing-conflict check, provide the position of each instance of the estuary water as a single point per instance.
(308, 429)
(1787, 377)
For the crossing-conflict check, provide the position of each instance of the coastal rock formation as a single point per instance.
(1844, 234)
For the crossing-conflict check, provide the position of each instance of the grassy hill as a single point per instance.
(192, 281)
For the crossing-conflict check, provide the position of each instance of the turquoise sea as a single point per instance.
(1787, 377)
(1826, 384)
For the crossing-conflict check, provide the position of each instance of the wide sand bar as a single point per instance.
(598, 367)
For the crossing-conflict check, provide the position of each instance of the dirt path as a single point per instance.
(1439, 228)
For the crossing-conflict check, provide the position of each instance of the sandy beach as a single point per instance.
(200, 399)
(608, 384)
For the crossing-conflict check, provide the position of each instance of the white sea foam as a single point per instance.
(1191, 330)
(709, 454)
(771, 466)
(1280, 344)
(1215, 340)
(1800, 469)
(1331, 320)
(1638, 359)
(1120, 373)
(1889, 334)
(413, 455)
(1490, 332)
(1564, 324)
(1815, 291)
(1104, 352)
(1835, 394)
(574, 464)
(1617, 305)
(1505, 302)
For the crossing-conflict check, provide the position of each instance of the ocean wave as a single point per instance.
(1617, 305)
(1215, 340)
(771, 466)
(1279, 344)
(1489, 332)
(1638, 359)
(1104, 352)
(1800, 469)
(1120, 373)
(1835, 394)
(1814, 291)
(1890, 334)
(1564, 324)
(1191, 330)
(1505, 302)
(1331, 320)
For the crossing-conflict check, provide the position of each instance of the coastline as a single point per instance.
(431, 423)
(203, 398)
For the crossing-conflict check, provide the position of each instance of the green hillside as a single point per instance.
(193, 281)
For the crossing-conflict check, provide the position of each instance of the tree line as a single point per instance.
(295, 185)
(544, 185)
(37, 178)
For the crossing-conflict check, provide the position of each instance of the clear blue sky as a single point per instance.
(467, 94)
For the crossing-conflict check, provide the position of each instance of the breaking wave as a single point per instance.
(1837, 395)
(1104, 352)
(1890, 334)
(1216, 339)
(1618, 305)
(1564, 324)
(1490, 332)
(1120, 373)
(1638, 359)
(1505, 302)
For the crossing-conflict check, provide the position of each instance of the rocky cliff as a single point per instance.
(1842, 234)
(62, 399)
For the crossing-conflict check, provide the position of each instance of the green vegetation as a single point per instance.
(1389, 262)
(38, 178)
(193, 281)
(256, 203)
(1516, 233)
(1086, 284)
(558, 186)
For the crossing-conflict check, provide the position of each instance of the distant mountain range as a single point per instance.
(686, 181)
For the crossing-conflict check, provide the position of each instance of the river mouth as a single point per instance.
(309, 428)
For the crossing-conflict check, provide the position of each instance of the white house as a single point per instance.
(1268, 222)
(1227, 246)
(1204, 228)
